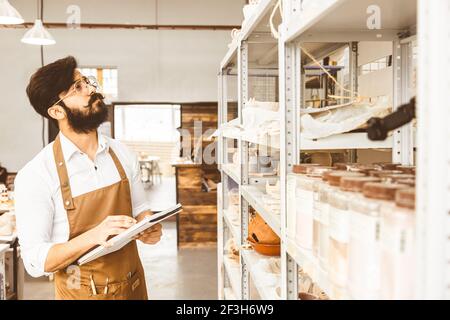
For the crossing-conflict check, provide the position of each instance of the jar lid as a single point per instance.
(326, 175)
(383, 173)
(356, 184)
(382, 191)
(317, 171)
(386, 165)
(407, 169)
(399, 176)
(406, 198)
(344, 166)
(362, 168)
(302, 168)
(334, 178)
(408, 182)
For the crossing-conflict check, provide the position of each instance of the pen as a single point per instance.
(105, 291)
(94, 290)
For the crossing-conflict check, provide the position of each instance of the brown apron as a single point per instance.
(122, 269)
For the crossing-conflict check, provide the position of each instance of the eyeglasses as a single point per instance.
(78, 87)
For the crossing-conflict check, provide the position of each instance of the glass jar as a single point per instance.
(321, 214)
(305, 186)
(318, 204)
(398, 247)
(291, 219)
(304, 198)
(339, 228)
(320, 217)
(300, 197)
(365, 240)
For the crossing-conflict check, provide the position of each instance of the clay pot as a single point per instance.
(266, 249)
(307, 296)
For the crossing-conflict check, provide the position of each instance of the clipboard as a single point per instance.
(121, 240)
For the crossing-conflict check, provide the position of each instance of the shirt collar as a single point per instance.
(69, 148)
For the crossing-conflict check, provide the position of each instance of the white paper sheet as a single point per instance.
(119, 241)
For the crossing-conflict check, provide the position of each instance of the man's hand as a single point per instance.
(153, 234)
(111, 226)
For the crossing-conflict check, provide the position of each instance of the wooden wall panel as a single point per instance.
(197, 224)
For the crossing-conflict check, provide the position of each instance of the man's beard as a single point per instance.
(85, 121)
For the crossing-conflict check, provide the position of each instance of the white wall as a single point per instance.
(192, 12)
(170, 65)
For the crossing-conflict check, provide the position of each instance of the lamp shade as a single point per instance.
(9, 15)
(38, 35)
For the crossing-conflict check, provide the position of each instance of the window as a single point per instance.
(147, 123)
(107, 79)
(376, 65)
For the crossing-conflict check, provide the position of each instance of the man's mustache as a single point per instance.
(94, 97)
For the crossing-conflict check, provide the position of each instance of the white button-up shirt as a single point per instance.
(41, 218)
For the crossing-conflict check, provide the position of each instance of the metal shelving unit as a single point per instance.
(319, 23)
(245, 56)
(331, 22)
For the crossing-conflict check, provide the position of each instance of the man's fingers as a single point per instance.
(122, 218)
(121, 224)
(155, 228)
(116, 231)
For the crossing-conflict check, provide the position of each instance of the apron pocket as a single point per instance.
(113, 293)
(133, 288)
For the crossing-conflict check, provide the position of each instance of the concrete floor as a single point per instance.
(171, 274)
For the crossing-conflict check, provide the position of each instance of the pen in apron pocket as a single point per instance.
(105, 291)
(94, 290)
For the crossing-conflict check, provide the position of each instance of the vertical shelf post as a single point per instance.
(243, 156)
(221, 278)
(289, 86)
(403, 148)
(353, 72)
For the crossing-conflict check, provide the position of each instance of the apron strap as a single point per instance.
(64, 177)
(123, 175)
(62, 174)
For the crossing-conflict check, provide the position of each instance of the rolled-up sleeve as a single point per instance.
(34, 214)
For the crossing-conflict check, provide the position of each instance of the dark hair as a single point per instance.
(48, 82)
